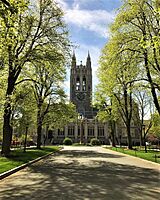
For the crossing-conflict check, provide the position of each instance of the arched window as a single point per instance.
(77, 83)
(84, 83)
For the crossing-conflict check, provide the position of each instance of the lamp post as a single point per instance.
(81, 117)
(120, 137)
(144, 136)
(25, 139)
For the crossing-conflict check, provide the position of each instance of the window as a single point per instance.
(71, 131)
(84, 84)
(60, 132)
(78, 84)
(91, 131)
(100, 131)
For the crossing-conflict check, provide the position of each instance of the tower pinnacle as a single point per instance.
(88, 62)
(73, 60)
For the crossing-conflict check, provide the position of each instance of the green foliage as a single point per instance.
(60, 114)
(136, 32)
(95, 142)
(18, 157)
(130, 60)
(155, 129)
(34, 48)
(67, 141)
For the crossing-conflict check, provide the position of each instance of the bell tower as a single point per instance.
(81, 86)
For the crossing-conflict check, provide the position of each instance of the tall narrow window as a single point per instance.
(78, 84)
(84, 83)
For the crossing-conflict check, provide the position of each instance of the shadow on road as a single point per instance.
(77, 175)
(88, 154)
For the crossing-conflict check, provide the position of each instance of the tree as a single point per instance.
(145, 107)
(31, 33)
(46, 84)
(117, 75)
(132, 55)
(155, 125)
(60, 114)
(23, 109)
(107, 112)
(138, 22)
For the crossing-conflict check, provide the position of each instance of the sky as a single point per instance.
(88, 23)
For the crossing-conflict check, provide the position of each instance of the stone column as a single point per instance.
(55, 136)
(85, 130)
(66, 131)
(76, 132)
(96, 129)
(106, 134)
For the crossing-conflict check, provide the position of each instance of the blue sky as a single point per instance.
(88, 23)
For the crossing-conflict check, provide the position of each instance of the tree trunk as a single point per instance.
(7, 131)
(39, 127)
(25, 140)
(39, 133)
(113, 133)
(145, 145)
(129, 136)
(153, 91)
(141, 137)
(7, 127)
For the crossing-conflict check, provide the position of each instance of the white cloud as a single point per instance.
(93, 20)
(63, 4)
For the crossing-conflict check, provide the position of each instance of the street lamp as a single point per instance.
(25, 139)
(120, 137)
(144, 136)
(81, 118)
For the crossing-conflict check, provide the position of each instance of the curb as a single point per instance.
(136, 157)
(16, 169)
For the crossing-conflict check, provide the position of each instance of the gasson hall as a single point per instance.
(87, 126)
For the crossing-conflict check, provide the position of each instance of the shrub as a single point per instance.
(67, 141)
(95, 142)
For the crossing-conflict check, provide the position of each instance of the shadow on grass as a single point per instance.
(66, 176)
(18, 157)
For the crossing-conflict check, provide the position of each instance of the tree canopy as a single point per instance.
(33, 34)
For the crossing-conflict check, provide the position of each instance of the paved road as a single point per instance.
(84, 173)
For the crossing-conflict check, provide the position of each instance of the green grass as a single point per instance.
(18, 157)
(150, 155)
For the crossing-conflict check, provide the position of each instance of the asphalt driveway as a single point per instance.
(84, 173)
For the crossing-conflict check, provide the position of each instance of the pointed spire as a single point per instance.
(73, 56)
(88, 63)
(73, 60)
(88, 55)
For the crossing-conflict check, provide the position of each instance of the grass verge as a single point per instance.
(151, 155)
(18, 157)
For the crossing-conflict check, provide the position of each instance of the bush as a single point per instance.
(67, 141)
(95, 142)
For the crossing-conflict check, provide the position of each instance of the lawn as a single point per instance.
(18, 157)
(150, 155)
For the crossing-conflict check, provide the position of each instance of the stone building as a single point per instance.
(87, 126)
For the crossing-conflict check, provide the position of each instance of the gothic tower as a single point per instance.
(81, 86)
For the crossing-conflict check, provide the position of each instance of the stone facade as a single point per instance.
(88, 127)
(81, 87)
